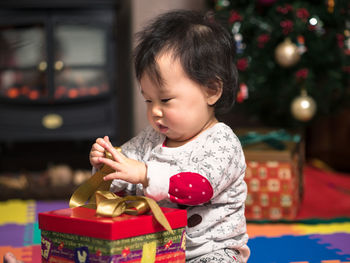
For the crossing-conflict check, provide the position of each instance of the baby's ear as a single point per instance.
(214, 92)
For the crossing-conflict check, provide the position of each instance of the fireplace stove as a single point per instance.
(60, 81)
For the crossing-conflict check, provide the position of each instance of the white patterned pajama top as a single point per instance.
(205, 177)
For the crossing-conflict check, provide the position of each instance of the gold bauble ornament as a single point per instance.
(287, 54)
(303, 107)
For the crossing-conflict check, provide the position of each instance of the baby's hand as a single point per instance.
(125, 168)
(97, 150)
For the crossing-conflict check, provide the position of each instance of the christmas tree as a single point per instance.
(292, 57)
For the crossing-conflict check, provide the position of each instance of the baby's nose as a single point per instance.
(157, 111)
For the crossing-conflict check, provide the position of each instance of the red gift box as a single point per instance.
(274, 179)
(273, 191)
(78, 235)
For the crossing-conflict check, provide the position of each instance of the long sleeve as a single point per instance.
(198, 171)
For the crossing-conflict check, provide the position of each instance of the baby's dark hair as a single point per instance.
(205, 49)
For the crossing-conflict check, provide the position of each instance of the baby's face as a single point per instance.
(179, 107)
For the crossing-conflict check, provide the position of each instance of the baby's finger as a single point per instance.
(97, 153)
(106, 139)
(95, 162)
(117, 156)
(107, 142)
(99, 142)
(111, 163)
(111, 176)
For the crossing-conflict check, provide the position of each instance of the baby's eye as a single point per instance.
(148, 101)
(165, 100)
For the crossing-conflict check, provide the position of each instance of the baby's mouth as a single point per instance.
(162, 128)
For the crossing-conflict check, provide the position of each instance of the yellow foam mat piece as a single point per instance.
(323, 228)
(17, 212)
(275, 230)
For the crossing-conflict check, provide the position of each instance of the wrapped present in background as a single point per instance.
(274, 173)
(79, 235)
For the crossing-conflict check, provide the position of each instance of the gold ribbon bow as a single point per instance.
(96, 191)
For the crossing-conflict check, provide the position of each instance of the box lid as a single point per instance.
(263, 152)
(83, 221)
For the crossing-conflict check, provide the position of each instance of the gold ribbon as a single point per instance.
(107, 204)
(86, 191)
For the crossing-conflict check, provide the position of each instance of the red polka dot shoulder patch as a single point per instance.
(189, 189)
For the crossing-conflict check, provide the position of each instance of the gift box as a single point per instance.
(79, 235)
(274, 173)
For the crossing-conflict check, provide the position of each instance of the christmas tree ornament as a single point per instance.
(239, 43)
(220, 4)
(301, 44)
(262, 40)
(303, 14)
(242, 64)
(347, 42)
(242, 94)
(238, 37)
(285, 9)
(301, 74)
(287, 54)
(315, 24)
(236, 27)
(313, 21)
(331, 6)
(303, 107)
(287, 26)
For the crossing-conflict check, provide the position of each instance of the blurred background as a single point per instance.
(66, 78)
